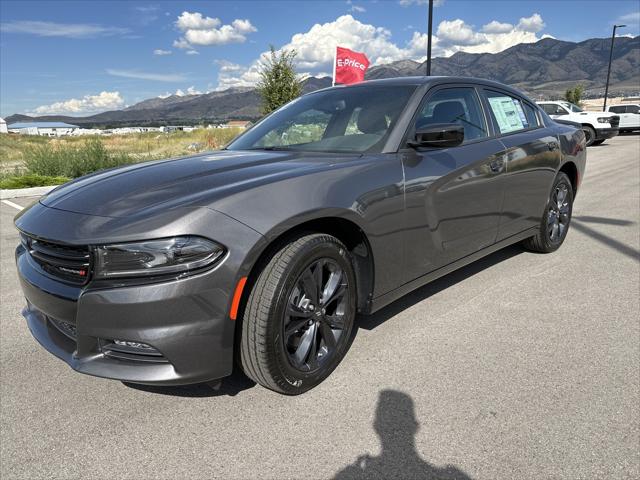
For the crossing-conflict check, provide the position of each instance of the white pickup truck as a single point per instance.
(597, 126)
(629, 116)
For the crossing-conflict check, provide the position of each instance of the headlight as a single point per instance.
(604, 120)
(156, 257)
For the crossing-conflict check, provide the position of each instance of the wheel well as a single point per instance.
(571, 171)
(347, 232)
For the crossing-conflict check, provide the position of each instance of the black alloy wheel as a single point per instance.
(299, 316)
(558, 214)
(556, 219)
(314, 321)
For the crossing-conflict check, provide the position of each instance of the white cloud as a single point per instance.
(497, 27)
(181, 43)
(457, 32)
(355, 8)
(146, 14)
(195, 21)
(316, 47)
(157, 77)
(192, 52)
(87, 104)
(181, 93)
(633, 17)
(68, 30)
(200, 30)
(533, 23)
(160, 52)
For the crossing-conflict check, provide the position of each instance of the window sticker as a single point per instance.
(508, 113)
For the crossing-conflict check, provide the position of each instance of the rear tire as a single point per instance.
(556, 218)
(299, 316)
(589, 134)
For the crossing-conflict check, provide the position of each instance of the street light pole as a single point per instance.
(606, 87)
(430, 28)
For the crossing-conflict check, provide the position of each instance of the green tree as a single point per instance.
(574, 95)
(278, 83)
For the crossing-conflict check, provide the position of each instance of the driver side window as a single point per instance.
(454, 105)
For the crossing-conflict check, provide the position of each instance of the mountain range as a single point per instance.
(544, 69)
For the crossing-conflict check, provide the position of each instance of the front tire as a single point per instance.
(597, 142)
(556, 219)
(589, 135)
(299, 315)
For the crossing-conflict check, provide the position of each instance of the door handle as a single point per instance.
(553, 146)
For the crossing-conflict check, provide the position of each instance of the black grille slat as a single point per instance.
(57, 262)
(615, 121)
(66, 262)
(60, 252)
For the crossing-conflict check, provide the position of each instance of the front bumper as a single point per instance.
(185, 321)
(604, 133)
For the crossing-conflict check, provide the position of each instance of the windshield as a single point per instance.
(573, 107)
(350, 120)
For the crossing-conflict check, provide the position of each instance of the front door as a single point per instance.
(453, 196)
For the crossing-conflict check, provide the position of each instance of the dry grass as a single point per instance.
(141, 146)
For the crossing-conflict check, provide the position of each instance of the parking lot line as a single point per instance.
(11, 204)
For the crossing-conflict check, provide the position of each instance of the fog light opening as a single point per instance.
(127, 343)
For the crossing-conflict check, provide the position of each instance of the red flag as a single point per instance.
(349, 66)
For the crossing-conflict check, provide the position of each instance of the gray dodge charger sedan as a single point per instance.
(261, 255)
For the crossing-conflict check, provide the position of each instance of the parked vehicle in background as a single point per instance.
(629, 116)
(338, 203)
(597, 126)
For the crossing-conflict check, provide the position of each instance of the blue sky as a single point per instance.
(82, 57)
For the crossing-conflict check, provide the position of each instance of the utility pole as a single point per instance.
(430, 29)
(606, 88)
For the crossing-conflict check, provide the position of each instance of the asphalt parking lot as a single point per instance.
(519, 366)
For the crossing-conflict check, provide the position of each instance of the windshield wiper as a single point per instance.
(273, 148)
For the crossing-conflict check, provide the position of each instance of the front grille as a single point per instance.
(614, 121)
(69, 263)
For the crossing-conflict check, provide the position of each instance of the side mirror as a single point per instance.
(439, 135)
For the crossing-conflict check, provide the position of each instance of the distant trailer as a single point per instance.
(46, 129)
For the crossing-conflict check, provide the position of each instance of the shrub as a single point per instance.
(69, 160)
(30, 180)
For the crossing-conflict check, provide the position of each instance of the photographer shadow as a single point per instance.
(396, 425)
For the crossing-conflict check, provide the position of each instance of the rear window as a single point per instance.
(509, 113)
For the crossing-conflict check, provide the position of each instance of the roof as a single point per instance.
(41, 125)
(423, 80)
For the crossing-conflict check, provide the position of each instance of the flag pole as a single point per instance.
(430, 28)
(335, 59)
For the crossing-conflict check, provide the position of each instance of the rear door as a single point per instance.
(532, 156)
(453, 195)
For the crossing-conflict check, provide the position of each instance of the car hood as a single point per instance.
(184, 182)
(592, 115)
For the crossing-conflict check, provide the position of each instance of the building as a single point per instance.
(46, 129)
(3, 126)
(237, 124)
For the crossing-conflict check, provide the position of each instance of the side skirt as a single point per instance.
(384, 300)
